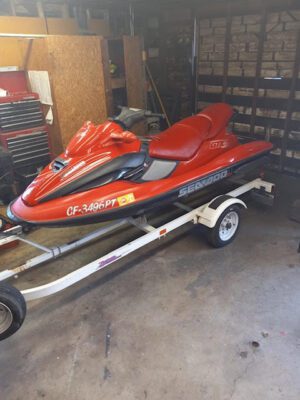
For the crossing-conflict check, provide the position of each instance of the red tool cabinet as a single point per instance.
(23, 132)
(28, 147)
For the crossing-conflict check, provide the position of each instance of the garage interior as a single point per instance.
(177, 318)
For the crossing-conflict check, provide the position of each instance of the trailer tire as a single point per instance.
(226, 228)
(12, 310)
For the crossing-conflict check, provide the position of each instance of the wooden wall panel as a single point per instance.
(38, 57)
(51, 26)
(76, 72)
(11, 51)
(78, 81)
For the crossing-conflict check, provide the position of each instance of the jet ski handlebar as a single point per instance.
(130, 116)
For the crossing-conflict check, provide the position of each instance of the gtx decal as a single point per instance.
(218, 144)
(193, 187)
(90, 208)
(126, 199)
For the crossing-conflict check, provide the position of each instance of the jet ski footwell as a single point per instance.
(220, 216)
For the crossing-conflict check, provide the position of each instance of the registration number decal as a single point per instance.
(91, 207)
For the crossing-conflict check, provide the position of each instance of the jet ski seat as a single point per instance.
(182, 140)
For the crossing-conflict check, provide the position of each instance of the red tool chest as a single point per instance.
(20, 111)
(23, 131)
(28, 147)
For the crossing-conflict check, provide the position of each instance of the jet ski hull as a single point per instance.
(125, 198)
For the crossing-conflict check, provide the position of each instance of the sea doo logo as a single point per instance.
(193, 187)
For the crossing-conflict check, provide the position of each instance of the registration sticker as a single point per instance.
(126, 199)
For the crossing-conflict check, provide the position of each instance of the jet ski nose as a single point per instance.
(27, 197)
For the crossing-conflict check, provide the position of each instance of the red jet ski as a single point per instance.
(107, 172)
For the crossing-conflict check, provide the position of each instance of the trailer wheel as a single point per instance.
(226, 227)
(12, 310)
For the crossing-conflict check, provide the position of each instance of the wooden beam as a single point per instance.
(131, 19)
(134, 71)
(163, 76)
(106, 76)
(195, 54)
(27, 55)
(260, 50)
(291, 15)
(135, 76)
(40, 9)
(12, 7)
(65, 10)
(226, 50)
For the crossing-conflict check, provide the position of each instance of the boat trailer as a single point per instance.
(220, 216)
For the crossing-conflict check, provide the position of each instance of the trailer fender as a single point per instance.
(210, 214)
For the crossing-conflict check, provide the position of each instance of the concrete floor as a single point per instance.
(173, 321)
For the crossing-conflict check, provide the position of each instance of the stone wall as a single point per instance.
(279, 47)
(278, 58)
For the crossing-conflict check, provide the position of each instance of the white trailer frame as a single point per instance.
(200, 215)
